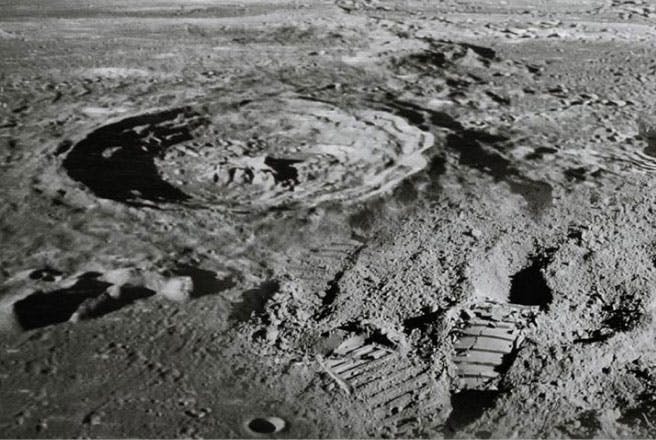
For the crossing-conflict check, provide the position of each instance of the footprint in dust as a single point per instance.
(488, 336)
(397, 389)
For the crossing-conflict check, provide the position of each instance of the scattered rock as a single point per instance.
(176, 289)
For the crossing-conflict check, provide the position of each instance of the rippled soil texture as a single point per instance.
(361, 218)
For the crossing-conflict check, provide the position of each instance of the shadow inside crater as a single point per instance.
(117, 161)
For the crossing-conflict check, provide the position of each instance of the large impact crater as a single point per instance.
(274, 151)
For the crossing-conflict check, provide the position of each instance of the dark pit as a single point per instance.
(529, 287)
(262, 426)
(266, 425)
(468, 406)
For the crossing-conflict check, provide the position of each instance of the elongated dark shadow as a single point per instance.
(117, 161)
(88, 296)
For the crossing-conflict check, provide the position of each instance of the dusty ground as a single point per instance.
(205, 205)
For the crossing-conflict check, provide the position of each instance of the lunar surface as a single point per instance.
(328, 219)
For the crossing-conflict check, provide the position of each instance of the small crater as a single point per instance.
(265, 425)
(529, 287)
